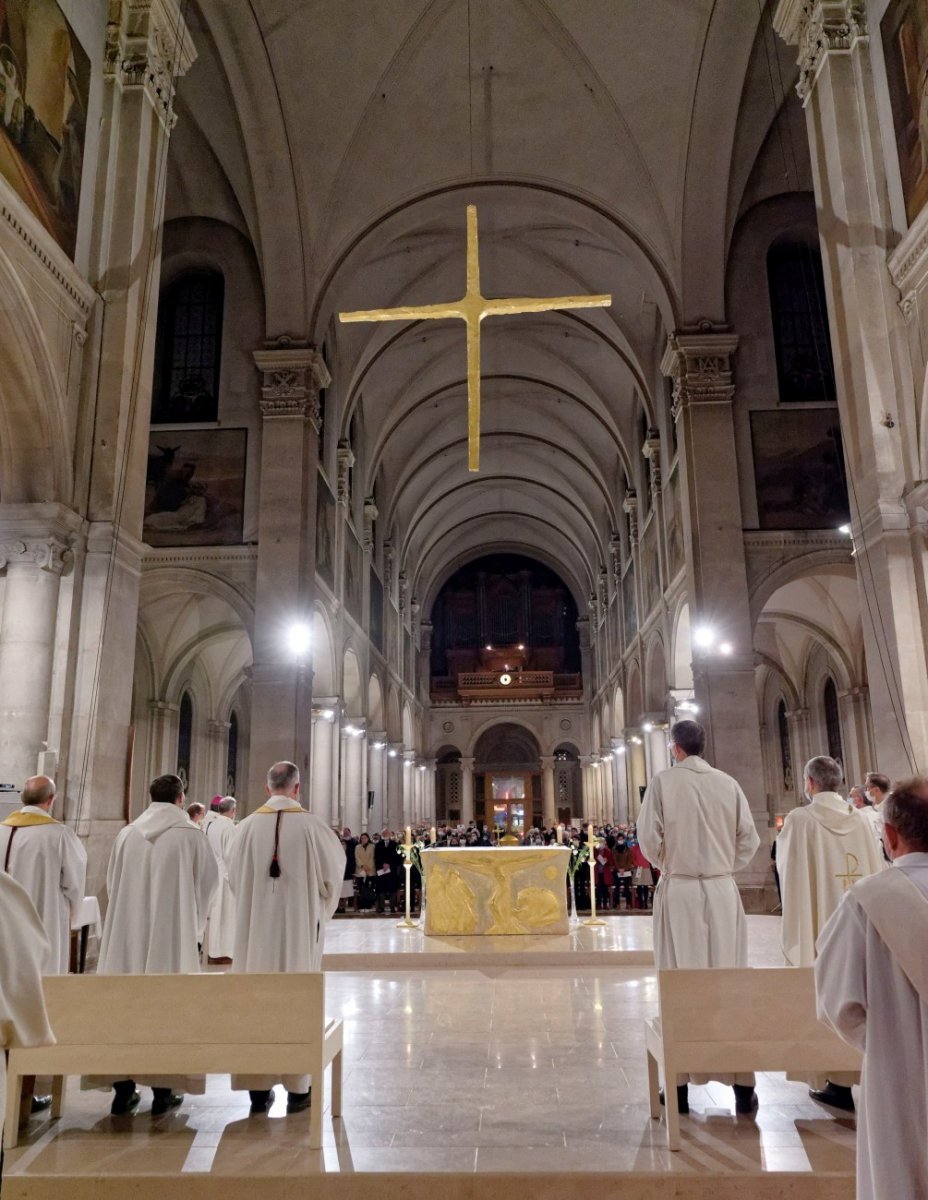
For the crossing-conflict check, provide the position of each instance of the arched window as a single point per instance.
(805, 370)
(232, 757)
(188, 350)
(833, 721)
(786, 756)
(184, 738)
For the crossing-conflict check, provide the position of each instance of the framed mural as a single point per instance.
(353, 594)
(44, 91)
(799, 469)
(904, 30)
(325, 532)
(195, 487)
(376, 611)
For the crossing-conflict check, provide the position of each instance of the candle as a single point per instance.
(589, 835)
(560, 835)
(408, 835)
(432, 835)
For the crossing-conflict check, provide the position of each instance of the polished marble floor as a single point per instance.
(536, 1069)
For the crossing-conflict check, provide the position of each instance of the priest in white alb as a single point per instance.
(822, 850)
(24, 957)
(871, 978)
(695, 824)
(160, 880)
(286, 871)
(220, 925)
(47, 858)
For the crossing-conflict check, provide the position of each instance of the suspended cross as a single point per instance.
(472, 308)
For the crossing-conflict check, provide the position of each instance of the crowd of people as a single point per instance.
(188, 887)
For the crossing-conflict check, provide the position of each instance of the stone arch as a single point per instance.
(323, 648)
(352, 693)
(507, 743)
(656, 677)
(513, 719)
(635, 695)
(618, 712)
(375, 707)
(682, 655)
(394, 720)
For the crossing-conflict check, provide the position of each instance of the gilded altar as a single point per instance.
(496, 890)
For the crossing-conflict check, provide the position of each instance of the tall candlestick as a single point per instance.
(408, 835)
(432, 835)
(560, 835)
(589, 835)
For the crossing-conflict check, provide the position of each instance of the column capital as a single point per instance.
(51, 554)
(547, 762)
(293, 374)
(371, 513)
(819, 28)
(148, 47)
(344, 461)
(651, 450)
(218, 729)
(699, 363)
(630, 508)
(161, 707)
(468, 762)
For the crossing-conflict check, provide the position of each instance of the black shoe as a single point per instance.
(164, 1100)
(126, 1099)
(834, 1095)
(298, 1102)
(40, 1103)
(261, 1102)
(745, 1099)
(683, 1099)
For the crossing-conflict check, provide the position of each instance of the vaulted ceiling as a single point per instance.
(609, 146)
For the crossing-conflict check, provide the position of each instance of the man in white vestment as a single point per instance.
(24, 956)
(220, 926)
(822, 850)
(47, 858)
(286, 871)
(871, 977)
(160, 880)
(876, 787)
(695, 824)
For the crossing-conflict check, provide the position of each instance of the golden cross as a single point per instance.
(853, 872)
(472, 308)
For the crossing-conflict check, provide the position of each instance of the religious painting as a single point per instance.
(799, 469)
(44, 90)
(376, 621)
(353, 594)
(905, 47)
(195, 487)
(325, 532)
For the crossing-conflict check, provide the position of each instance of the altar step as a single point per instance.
(497, 958)
(420, 1185)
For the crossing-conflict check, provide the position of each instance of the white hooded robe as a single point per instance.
(24, 952)
(220, 926)
(49, 861)
(696, 825)
(871, 977)
(280, 923)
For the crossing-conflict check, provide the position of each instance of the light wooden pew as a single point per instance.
(133, 1026)
(725, 1021)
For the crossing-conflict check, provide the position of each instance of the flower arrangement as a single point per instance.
(579, 854)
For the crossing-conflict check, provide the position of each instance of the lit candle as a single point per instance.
(432, 835)
(589, 835)
(408, 835)
(560, 835)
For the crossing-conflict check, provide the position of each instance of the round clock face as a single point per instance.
(505, 680)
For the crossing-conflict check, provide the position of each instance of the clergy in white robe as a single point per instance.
(220, 925)
(47, 858)
(286, 871)
(695, 824)
(160, 880)
(871, 977)
(24, 957)
(822, 850)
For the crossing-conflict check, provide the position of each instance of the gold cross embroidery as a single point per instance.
(472, 308)
(851, 867)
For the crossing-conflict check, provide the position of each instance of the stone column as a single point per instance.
(409, 791)
(587, 788)
(873, 368)
(548, 798)
(800, 741)
(216, 760)
(855, 713)
(395, 772)
(467, 790)
(282, 688)
(606, 772)
(27, 646)
(699, 363)
(377, 779)
(354, 776)
(428, 810)
(637, 771)
(620, 780)
(425, 661)
(323, 763)
(163, 744)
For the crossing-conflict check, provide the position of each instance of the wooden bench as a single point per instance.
(719, 1022)
(136, 1026)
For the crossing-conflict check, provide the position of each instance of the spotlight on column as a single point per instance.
(845, 529)
(727, 649)
(647, 727)
(378, 745)
(620, 749)
(392, 753)
(299, 639)
(351, 730)
(328, 714)
(704, 637)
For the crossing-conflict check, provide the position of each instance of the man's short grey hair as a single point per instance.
(226, 805)
(825, 772)
(282, 776)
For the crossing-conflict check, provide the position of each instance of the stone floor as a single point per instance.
(537, 1070)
